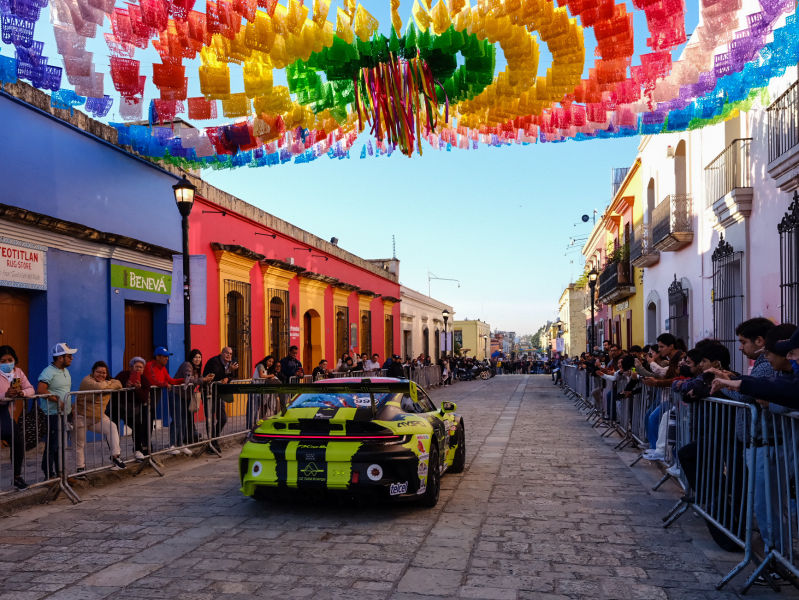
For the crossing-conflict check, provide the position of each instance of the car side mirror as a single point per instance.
(448, 407)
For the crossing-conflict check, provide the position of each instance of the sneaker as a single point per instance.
(80, 470)
(654, 455)
(118, 462)
(674, 471)
(187, 452)
(769, 579)
(20, 483)
(138, 455)
(173, 451)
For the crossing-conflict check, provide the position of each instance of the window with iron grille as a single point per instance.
(788, 229)
(728, 299)
(366, 332)
(342, 330)
(678, 311)
(237, 325)
(278, 323)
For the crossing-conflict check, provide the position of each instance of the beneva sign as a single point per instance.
(140, 280)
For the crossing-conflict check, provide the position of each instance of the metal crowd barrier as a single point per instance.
(427, 376)
(775, 456)
(738, 464)
(714, 465)
(35, 430)
(103, 426)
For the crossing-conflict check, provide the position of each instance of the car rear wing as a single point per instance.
(225, 391)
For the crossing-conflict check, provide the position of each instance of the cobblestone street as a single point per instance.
(544, 509)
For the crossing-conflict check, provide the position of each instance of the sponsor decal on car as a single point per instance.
(256, 468)
(398, 488)
(374, 472)
(422, 470)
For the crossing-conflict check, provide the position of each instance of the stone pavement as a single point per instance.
(544, 509)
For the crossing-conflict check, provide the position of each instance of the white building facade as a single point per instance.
(709, 240)
(422, 324)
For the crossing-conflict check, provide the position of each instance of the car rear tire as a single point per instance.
(459, 461)
(430, 496)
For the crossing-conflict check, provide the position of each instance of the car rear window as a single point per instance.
(357, 400)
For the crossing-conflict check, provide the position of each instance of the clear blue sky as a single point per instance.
(497, 219)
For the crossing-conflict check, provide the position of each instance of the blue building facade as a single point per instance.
(88, 234)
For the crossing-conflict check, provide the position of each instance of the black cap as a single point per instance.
(785, 346)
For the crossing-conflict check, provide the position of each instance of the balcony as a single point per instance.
(642, 254)
(728, 184)
(616, 282)
(783, 139)
(672, 223)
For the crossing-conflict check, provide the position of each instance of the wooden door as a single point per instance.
(138, 331)
(307, 343)
(15, 323)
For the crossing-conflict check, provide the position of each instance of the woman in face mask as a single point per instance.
(13, 385)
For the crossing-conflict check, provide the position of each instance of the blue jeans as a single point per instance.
(50, 456)
(652, 425)
(178, 411)
(768, 530)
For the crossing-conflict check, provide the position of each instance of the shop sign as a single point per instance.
(622, 306)
(138, 279)
(22, 265)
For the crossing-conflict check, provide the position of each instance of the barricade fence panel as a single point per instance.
(103, 425)
(31, 429)
(775, 454)
(740, 468)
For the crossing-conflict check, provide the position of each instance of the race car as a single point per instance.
(380, 435)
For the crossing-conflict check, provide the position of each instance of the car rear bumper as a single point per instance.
(391, 470)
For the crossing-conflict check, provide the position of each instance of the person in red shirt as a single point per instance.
(175, 410)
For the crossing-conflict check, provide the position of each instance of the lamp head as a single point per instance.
(592, 275)
(184, 196)
(445, 314)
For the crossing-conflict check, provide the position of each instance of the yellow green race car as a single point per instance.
(379, 435)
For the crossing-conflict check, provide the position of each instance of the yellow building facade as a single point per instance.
(620, 282)
(473, 337)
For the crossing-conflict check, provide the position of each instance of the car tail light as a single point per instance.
(355, 477)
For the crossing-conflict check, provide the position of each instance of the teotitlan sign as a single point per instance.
(140, 280)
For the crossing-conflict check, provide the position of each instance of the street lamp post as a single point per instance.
(184, 198)
(445, 316)
(592, 275)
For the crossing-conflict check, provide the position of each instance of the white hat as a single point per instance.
(61, 348)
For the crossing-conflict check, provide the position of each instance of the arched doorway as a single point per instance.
(366, 332)
(650, 201)
(237, 325)
(425, 341)
(311, 340)
(651, 322)
(342, 331)
(278, 327)
(437, 346)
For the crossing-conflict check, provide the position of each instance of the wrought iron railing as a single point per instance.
(641, 243)
(783, 123)
(729, 170)
(673, 215)
(615, 274)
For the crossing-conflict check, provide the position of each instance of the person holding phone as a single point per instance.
(222, 368)
(13, 384)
